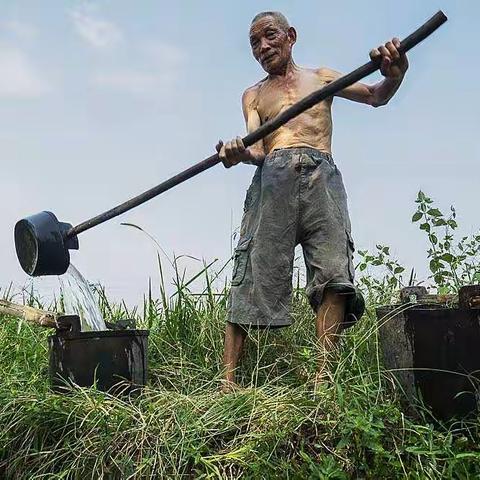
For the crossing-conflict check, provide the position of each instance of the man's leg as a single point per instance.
(234, 340)
(327, 250)
(330, 316)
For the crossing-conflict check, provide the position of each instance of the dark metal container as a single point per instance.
(113, 360)
(432, 347)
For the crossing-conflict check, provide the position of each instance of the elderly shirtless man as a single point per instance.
(297, 194)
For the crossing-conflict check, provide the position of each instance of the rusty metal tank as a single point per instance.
(113, 360)
(431, 344)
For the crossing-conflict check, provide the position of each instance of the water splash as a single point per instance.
(78, 299)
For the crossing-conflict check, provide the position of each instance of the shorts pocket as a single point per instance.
(241, 255)
(253, 191)
(350, 250)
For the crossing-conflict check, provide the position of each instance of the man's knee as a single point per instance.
(236, 328)
(351, 301)
(333, 298)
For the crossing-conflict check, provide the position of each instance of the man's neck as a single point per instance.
(290, 68)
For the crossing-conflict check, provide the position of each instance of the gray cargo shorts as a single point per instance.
(296, 197)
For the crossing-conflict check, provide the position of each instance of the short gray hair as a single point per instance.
(280, 18)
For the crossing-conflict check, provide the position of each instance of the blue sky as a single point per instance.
(102, 100)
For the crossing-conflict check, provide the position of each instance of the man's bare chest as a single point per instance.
(275, 96)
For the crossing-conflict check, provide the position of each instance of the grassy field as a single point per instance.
(278, 425)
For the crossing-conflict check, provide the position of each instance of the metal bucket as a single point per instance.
(114, 361)
(433, 351)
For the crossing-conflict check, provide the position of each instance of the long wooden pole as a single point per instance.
(267, 128)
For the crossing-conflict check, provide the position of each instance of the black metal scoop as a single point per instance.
(43, 243)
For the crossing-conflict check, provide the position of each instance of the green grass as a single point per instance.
(277, 426)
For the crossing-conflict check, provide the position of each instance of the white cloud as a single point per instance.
(98, 33)
(18, 77)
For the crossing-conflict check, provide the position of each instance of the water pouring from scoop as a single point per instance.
(78, 299)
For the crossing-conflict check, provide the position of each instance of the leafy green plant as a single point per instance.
(381, 286)
(453, 263)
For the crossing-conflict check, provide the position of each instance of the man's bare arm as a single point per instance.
(393, 68)
(234, 152)
(375, 95)
(253, 121)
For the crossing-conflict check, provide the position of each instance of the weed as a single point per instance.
(279, 425)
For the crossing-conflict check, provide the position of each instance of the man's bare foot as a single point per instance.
(322, 379)
(228, 386)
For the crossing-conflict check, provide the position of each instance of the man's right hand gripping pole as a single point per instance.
(234, 152)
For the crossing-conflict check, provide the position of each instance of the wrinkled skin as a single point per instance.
(284, 85)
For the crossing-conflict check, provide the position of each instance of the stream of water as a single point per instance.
(79, 300)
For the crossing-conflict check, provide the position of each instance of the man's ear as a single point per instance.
(292, 35)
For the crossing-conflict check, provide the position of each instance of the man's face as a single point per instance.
(271, 44)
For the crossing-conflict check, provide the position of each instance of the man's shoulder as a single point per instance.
(326, 73)
(251, 93)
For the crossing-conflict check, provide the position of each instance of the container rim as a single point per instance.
(415, 306)
(100, 334)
